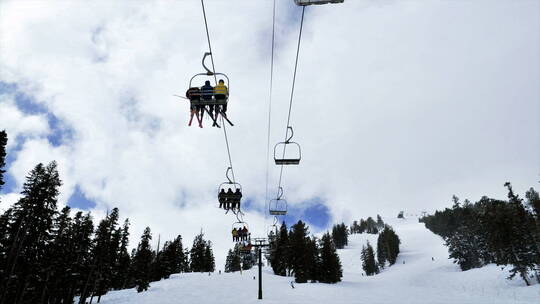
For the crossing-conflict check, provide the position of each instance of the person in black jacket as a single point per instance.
(231, 204)
(222, 199)
(237, 197)
(194, 95)
(207, 92)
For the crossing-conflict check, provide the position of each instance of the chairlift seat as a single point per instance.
(209, 102)
(316, 2)
(278, 212)
(287, 161)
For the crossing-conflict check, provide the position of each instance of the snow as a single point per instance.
(415, 278)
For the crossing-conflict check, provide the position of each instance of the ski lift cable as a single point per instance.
(266, 203)
(292, 93)
(215, 79)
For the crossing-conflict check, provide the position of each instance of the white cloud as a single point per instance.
(17, 123)
(398, 105)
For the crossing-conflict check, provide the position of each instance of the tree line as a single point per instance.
(368, 226)
(295, 253)
(504, 232)
(51, 256)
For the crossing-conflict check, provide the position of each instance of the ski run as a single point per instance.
(422, 274)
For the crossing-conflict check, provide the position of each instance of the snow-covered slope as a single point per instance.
(414, 279)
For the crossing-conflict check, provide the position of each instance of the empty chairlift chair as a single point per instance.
(312, 2)
(278, 206)
(291, 153)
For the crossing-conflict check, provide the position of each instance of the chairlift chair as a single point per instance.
(240, 224)
(272, 230)
(278, 206)
(245, 249)
(201, 101)
(291, 151)
(312, 2)
(235, 187)
(212, 101)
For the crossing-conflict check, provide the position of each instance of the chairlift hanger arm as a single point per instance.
(208, 71)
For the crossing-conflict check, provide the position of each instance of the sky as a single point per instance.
(398, 105)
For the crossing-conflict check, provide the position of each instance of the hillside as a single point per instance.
(415, 278)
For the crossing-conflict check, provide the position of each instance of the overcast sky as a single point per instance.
(398, 106)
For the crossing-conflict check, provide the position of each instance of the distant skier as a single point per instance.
(292, 284)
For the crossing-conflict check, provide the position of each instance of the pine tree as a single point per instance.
(363, 226)
(533, 201)
(280, 255)
(313, 260)
(210, 262)
(371, 226)
(368, 260)
(81, 233)
(29, 231)
(387, 246)
(522, 253)
(202, 257)
(186, 262)
(330, 265)
(172, 258)
(122, 266)
(355, 228)
(298, 242)
(382, 249)
(105, 253)
(233, 262)
(61, 259)
(142, 262)
(181, 263)
(340, 235)
(466, 245)
(380, 223)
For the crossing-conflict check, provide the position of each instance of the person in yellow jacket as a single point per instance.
(234, 235)
(221, 92)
